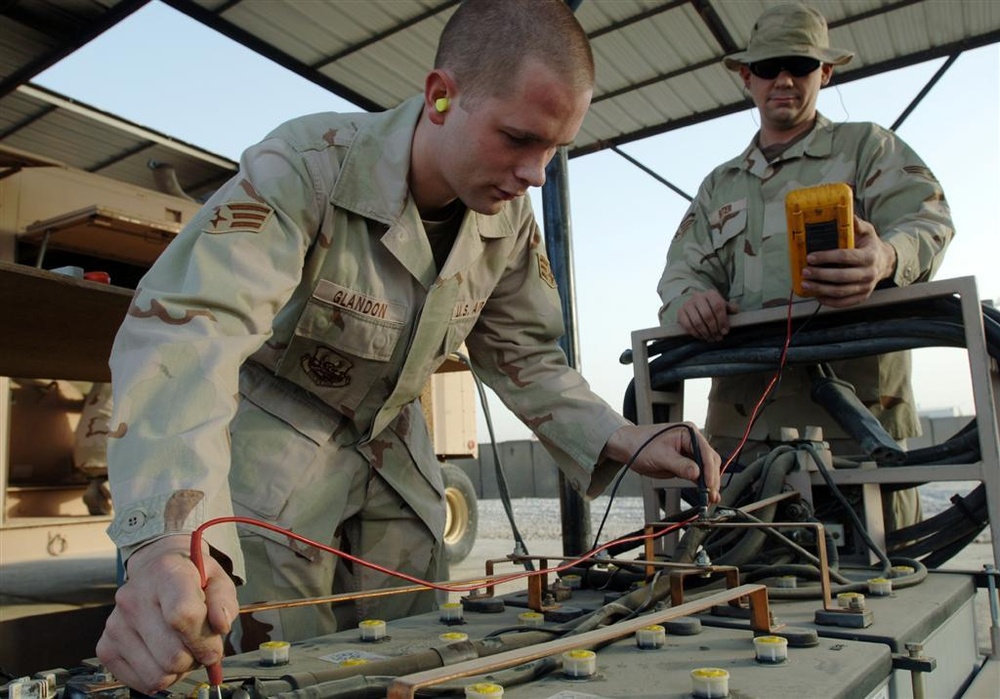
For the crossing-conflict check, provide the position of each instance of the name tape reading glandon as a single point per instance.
(360, 303)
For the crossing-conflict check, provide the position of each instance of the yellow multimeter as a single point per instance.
(819, 218)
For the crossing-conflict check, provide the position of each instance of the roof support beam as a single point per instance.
(58, 101)
(723, 110)
(27, 121)
(70, 43)
(923, 93)
(715, 25)
(652, 174)
(375, 38)
(252, 42)
(638, 17)
(121, 155)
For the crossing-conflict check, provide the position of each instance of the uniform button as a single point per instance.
(134, 520)
(380, 341)
(322, 323)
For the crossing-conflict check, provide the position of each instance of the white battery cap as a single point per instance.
(372, 630)
(709, 683)
(579, 663)
(483, 690)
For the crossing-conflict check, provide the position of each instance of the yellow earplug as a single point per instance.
(441, 104)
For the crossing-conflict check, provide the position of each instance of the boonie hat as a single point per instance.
(789, 30)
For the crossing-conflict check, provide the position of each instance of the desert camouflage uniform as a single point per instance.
(301, 313)
(734, 238)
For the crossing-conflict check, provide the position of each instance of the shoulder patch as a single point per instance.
(238, 216)
(545, 270)
(685, 225)
(919, 171)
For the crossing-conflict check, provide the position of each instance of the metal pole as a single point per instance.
(923, 93)
(649, 171)
(574, 510)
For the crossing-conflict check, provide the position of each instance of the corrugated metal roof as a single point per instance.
(658, 61)
(40, 126)
(43, 123)
(35, 34)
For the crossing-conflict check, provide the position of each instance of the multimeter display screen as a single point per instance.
(822, 235)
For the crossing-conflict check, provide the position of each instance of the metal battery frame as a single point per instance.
(985, 385)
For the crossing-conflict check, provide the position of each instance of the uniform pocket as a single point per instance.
(269, 459)
(287, 468)
(463, 318)
(342, 344)
(727, 228)
(727, 222)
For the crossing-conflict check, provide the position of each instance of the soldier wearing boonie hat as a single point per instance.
(730, 251)
(789, 30)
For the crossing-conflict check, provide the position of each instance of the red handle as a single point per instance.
(215, 669)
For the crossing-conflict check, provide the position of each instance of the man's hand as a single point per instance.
(163, 624)
(705, 315)
(841, 278)
(667, 455)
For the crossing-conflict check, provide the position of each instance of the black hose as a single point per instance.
(847, 335)
(772, 484)
(859, 526)
(741, 482)
(918, 575)
(791, 545)
(945, 553)
(972, 507)
(842, 403)
(754, 573)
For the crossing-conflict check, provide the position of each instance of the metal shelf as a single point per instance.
(103, 232)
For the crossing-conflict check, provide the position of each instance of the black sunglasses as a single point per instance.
(798, 66)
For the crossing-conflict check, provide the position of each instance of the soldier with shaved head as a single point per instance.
(272, 360)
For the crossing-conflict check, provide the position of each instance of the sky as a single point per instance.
(169, 73)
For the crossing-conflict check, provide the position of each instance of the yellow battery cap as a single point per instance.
(770, 649)
(710, 683)
(579, 663)
(271, 653)
(372, 630)
(651, 637)
(483, 690)
(453, 637)
(531, 618)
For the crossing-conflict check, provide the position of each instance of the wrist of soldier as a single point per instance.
(891, 261)
(167, 544)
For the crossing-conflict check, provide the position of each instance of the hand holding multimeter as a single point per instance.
(835, 256)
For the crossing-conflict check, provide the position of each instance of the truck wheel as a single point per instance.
(462, 518)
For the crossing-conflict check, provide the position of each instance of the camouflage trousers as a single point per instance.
(340, 501)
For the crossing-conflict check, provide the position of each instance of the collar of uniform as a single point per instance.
(375, 172)
(818, 144)
(374, 175)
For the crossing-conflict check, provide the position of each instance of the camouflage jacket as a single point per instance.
(734, 238)
(313, 263)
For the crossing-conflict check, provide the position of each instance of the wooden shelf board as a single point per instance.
(57, 326)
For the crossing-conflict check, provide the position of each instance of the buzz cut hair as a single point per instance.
(485, 42)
